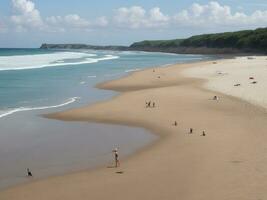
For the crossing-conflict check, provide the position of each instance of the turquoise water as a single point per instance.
(34, 82)
(38, 78)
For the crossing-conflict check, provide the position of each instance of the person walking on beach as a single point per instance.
(116, 157)
(29, 173)
(216, 98)
(191, 131)
(154, 104)
(175, 123)
(203, 133)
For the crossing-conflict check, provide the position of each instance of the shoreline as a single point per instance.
(165, 91)
(56, 155)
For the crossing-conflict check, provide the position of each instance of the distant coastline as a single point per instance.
(240, 42)
(178, 50)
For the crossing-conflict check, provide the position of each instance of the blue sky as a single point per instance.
(28, 23)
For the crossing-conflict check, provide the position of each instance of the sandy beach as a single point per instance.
(229, 163)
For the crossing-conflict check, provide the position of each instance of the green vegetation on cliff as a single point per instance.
(157, 43)
(248, 40)
(256, 39)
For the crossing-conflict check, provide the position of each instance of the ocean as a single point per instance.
(37, 81)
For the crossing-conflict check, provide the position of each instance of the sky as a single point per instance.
(29, 23)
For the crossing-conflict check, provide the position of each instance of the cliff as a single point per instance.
(82, 46)
(248, 41)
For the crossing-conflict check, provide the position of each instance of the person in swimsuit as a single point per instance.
(116, 157)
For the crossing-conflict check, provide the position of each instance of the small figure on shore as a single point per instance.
(203, 133)
(116, 157)
(175, 123)
(191, 131)
(148, 104)
(158, 76)
(216, 98)
(29, 173)
(153, 70)
(154, 104)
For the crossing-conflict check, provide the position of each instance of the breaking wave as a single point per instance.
(10, 112)
(20, 62)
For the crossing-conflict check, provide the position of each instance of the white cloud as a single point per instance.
(213, 14)
(136, 17)
(132, 17)
(210, 15)
(200, 16)
(101, 22)
(68, 21)
(157, 18)
(27, 16)
(76, 21)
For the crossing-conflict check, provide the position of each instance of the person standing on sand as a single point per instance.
(216, 98)
(203, 133)
(191, 131)
(116, 157)
(154, 104)
(29, 173)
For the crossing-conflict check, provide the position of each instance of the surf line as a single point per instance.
(21, 109)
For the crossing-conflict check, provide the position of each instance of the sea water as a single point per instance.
(38, 81)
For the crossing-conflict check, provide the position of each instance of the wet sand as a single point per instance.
(230, 162)
(52, 147)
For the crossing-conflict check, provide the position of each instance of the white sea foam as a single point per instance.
(132, 70)
(9, 112)
(115, 74)
(126, 52)
(107, 57)
(48, 60)
(91, 76)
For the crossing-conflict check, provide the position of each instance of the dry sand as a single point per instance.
(229, 163)
(223, 75)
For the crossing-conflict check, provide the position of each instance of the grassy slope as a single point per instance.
(244, 40)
